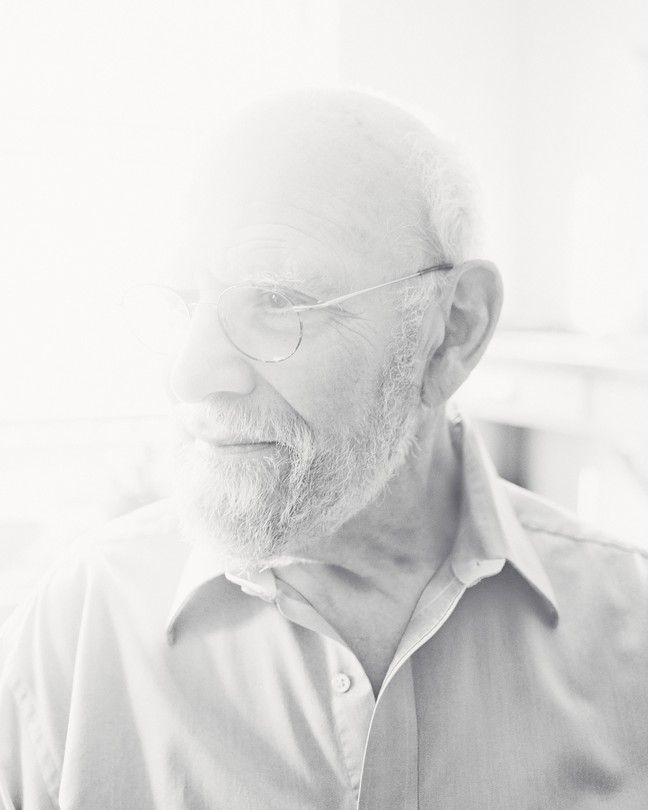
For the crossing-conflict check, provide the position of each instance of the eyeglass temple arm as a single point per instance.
(339, 299)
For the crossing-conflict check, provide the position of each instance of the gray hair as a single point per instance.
(445, 226)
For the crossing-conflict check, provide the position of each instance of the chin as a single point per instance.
(255, 511)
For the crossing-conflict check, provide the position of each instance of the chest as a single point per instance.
(223, 733)
(494, 710)
(373, 630)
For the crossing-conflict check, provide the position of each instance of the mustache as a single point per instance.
(216, 418)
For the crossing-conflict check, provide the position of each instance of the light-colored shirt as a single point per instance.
(141, 676)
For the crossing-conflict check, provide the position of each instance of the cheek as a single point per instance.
(332, 391)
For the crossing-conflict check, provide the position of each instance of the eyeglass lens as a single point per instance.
(260, 323)
(158, 317)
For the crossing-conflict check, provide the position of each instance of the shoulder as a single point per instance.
(544, 519)
(580, 558)
(144, 537)
(132, 559)
(107, 596)
(141, 544)
(139, 531)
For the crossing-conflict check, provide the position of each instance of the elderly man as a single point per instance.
(361, 615)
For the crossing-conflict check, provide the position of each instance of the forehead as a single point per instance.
(312, 199)
(274, 242)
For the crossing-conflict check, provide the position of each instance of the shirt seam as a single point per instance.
(42, 756)
(618, 546)
(342, 754)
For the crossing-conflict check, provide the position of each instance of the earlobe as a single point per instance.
(470, 308)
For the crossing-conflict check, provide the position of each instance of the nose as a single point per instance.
(209, 364)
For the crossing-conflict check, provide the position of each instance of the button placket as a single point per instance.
(352, 705)
(390, 768)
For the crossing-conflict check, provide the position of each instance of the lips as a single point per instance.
(230, 441)
(231, 445)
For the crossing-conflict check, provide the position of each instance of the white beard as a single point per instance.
(254, 511)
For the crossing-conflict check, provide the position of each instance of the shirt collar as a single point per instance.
(489, 535)
(205, 564)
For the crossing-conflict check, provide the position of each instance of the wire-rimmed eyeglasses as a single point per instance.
(261, 321)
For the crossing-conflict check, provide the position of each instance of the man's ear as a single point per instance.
(470, 307)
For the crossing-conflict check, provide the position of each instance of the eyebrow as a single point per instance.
(305, 281)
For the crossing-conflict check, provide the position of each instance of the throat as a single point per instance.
(374, 647)
(367, 578)
(370, 620)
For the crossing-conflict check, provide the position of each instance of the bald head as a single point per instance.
(393, 186)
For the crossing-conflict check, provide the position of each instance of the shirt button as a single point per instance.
(341, 682)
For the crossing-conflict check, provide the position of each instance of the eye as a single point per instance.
(275, 300)
(269, 303)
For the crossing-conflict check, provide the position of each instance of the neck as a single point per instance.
(409, 527)
(379, 562)
(367, 578)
